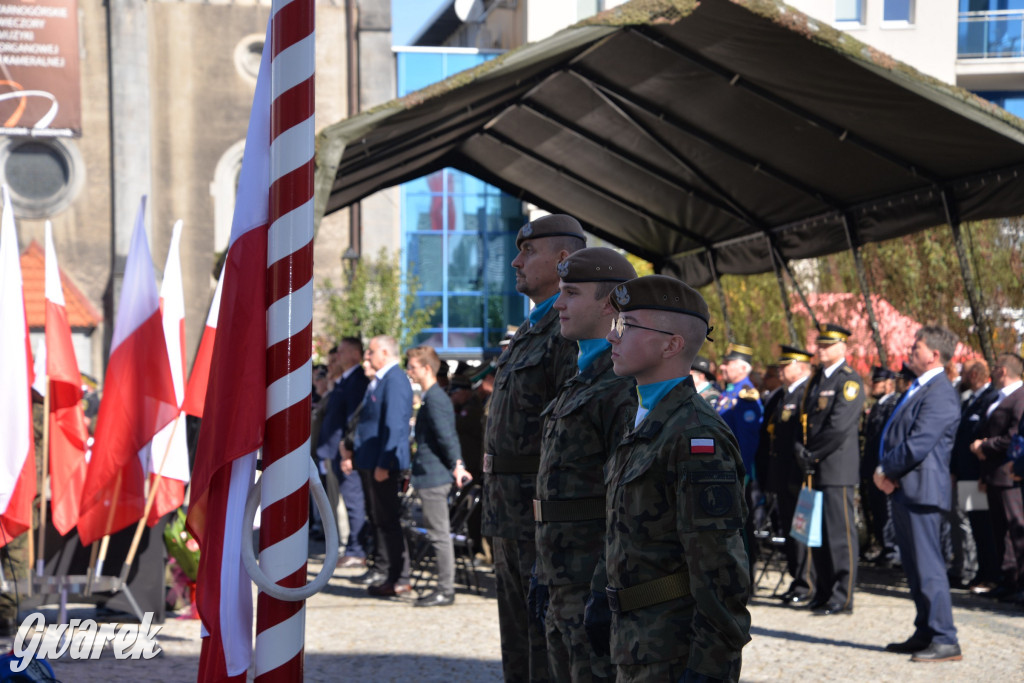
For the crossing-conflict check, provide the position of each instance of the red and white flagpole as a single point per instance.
(280, 626)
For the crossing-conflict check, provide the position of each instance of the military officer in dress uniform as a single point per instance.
(678, 579)
(876, 504)
(778, 470)
(583, 426)
(830, 452)
(702, 376)
(529, 372)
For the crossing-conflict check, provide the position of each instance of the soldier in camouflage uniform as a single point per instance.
(536, 363)
(701, 373)
(677, 575)
(583, 426)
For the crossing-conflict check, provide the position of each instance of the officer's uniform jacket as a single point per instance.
(777, 468)
(529, 373)
(583, 426)
(740, 407)
(675, 504)
(833, 407)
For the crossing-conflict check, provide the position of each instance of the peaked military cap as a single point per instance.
(660, 293)
(829, 333)
(878, 374)
(739, 352)
(552, 225)
(702, 364)
(792, 354)
(906, 373)
(460, 382)
(596, 264)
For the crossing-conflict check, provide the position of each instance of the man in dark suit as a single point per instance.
(832, 408)
(382, 452)
(345, 397)
(973, 546)
(1003, 491)
(914, 469)
(777, 468)
(876, 503)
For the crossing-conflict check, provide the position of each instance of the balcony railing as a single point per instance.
(998, 34)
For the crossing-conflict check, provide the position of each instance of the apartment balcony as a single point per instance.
(990, 50)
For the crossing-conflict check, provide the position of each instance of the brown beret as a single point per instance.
(553, 225)
(661, 293)
(596, 264)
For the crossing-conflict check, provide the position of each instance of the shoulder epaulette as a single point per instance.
(749, 394)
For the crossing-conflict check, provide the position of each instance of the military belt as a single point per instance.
(579, 510)
(511, 464)
(648, 593)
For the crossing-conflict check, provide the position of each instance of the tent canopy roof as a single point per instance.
(680, 131)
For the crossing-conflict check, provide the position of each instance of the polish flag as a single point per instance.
(138, 400)
(68, 438)
(17, 445)
(167, 454)
(233, 427)
(195, 394)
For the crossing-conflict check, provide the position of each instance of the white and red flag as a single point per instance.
(17, 445)
(68, 434)
(167, 462)
(235, 413)
(195, 394)
(138, 400)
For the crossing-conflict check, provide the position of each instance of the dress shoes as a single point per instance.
(908, 646)
(373, 576)
(795, 599)
(349, 561)
(435, 599)
(389, 590)
(832, 608)
(817, 604)
(938, 652)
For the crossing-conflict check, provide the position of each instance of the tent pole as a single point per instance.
(793, 338)
(796, 286)
(973, 295)
(862, 278)
(721, 296)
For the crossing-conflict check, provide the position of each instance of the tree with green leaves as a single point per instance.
(375, 302)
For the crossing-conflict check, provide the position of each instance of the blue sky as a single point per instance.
(408, 16)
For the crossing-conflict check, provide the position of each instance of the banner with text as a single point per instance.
(40, 91)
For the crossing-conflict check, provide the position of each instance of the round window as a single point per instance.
(43, 174)
(248, 53)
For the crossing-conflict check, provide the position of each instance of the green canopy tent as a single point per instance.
(725, 136)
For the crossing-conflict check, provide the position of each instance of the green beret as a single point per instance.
(596, 264)
(661, 293)
(553, 225)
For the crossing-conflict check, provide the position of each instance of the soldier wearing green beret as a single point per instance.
(583, 426)
(677, 571)
(537, 361)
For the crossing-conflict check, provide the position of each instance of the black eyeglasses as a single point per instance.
(619, 326)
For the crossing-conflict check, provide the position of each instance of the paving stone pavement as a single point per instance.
(353, 637)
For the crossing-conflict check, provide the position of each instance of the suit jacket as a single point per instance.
(996, 431)
(437, 444)
(382, 433)
(833, 406)
(342, 401)
(917, 445)
(872, 429)
(965, 465)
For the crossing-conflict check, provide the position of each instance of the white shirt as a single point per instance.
(1003, 393)
(795, 384)
(830, 370)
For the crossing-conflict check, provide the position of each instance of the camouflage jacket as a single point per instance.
(536, 363)
(675, 505)
(584, 425)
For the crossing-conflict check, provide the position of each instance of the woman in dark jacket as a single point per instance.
(438, 461)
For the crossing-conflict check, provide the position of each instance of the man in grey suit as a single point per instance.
(914, 469)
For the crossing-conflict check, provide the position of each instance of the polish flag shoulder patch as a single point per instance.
(702, 445)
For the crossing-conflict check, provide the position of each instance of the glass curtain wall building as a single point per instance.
(458, 234)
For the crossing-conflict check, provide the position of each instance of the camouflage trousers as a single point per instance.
(14, 557)
(523, 648)
(570, 657)
(668, 671)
